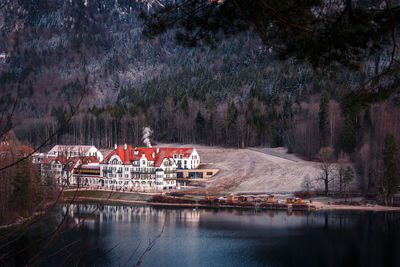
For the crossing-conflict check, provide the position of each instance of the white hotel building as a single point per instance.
(143, 168)
(125, 167)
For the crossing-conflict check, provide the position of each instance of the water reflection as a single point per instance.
(91, 212)
(108, 236)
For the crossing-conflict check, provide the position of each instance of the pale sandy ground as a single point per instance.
(325, 206)
(255, 170)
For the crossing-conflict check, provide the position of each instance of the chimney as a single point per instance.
(115, 146)
(154, 155)
(125, 147)
(157, 150)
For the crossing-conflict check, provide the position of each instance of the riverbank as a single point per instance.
(126, 198)
(22, 220)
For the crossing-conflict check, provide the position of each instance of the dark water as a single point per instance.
(118, 235)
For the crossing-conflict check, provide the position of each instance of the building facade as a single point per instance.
(184, 158)
(124, 168)
(75, 151)
(138, 169)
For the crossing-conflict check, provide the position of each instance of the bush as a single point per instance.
(304, 194)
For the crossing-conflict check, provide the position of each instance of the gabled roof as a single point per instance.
(163, 152)
(62, 159)
(169, 151)
(89, 159)
(156, 154)
(124, 154)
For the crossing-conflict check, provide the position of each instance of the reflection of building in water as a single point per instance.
(91, 212)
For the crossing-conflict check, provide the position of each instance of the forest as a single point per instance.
(235, 93)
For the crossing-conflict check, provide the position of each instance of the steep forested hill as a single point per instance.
(234, 94)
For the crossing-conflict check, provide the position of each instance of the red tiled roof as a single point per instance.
(90, 159)
(163, 152)
(170, 151)
(124, 155)
(150, 153)
(60, 159)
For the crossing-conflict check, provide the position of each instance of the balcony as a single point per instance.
(142, 172)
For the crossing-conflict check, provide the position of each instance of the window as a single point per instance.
(181, 156)
(195, 175)
(175, 156)
(209, 173)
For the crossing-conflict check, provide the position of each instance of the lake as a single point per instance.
(119, 236)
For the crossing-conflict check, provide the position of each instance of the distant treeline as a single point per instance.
(302, 124)
(236, 94)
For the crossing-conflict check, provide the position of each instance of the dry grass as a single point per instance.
(253, 170)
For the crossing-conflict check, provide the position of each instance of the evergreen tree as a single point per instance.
(391, 168)
(200, 125)
(323, 116)
(347, 138)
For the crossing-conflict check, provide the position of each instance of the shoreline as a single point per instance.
(183, 205)
(324, 206)
(316, 206)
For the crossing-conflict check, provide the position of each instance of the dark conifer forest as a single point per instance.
(236, 92)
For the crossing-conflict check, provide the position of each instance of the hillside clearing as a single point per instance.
(254, 170)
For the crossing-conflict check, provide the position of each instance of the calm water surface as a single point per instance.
(118, 235)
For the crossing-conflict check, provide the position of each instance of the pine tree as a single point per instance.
(391, 168)
(200, 125)
(323, 116)
(347, 138)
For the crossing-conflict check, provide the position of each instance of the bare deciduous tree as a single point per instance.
(326, 156)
